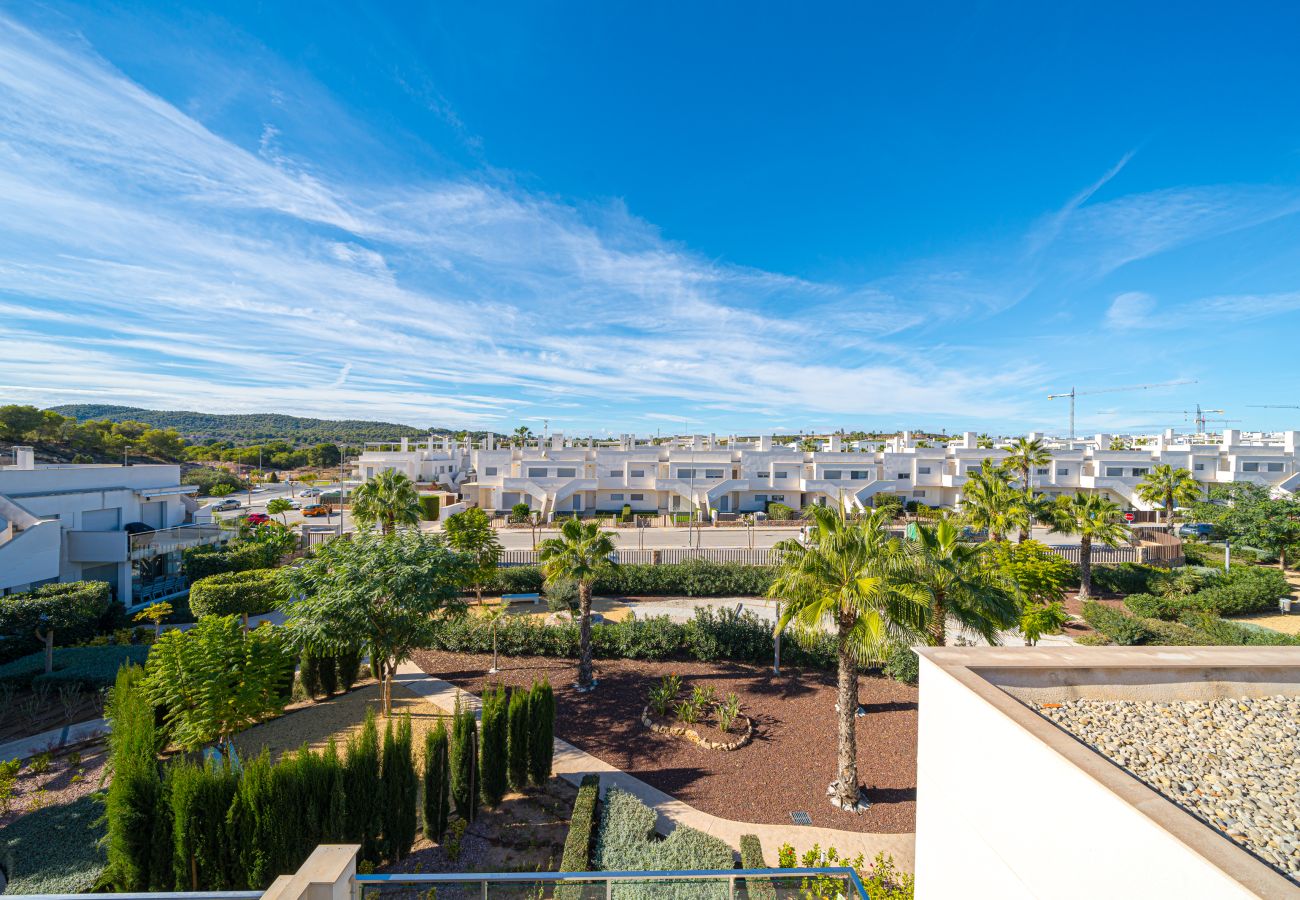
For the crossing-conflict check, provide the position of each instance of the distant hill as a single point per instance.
(248, 428)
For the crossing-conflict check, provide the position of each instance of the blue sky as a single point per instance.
(750, 217)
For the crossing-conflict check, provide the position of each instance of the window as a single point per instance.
(918, 494)
(1137, 473)
(904, 476)
(760, 498)
(833, 474)
(858, 475)
(566, 473)
(536, 473)
(1275, 467)
(922, 470)
(1062, 471)
(490, 470)
(615, 473)
(1200, 467)
(780, 475)
(1250, 467)
(972, 470)
(778, 498)
(685, 473)
(1114, 471)
(637, 473)
(1040, 471)
(762, 474)
(712, 473)
(638, 496)
(616, 496)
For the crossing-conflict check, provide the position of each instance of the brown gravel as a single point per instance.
(787, 766)
(73, 773)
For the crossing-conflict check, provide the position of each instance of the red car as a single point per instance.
(258, 518)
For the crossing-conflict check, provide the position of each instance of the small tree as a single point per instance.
(491, 616)
(517, 739)
(541, 739)
(399, 785)
(155, 613)
(1168, 487)
(214, 680)
(437, 782)
(470, 532)
(492, 756)
(279, 507)
(1094, 519)
(582, 553)
(464, 763)
(1039, 578)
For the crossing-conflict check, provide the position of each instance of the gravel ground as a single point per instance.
(1233, 763)
(786, 767)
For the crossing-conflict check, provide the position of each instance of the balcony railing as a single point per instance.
(714, 884)
(166, 540)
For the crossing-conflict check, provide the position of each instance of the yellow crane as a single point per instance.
(1075, 392)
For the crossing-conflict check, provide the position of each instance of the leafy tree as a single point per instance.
(155, 613)
(387, 500)
(852, 577)
(386, 593)
(1118, 443)
(279, 507)
(323, 456)
(1167, 487)
(220, 490)
(582, 554)
(1271, 525)
(17, 421)
(1039, 578)
(470, 532)
(959, 584)
(214, 680)
(1094, 519)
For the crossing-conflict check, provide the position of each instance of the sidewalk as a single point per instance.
(572, 763)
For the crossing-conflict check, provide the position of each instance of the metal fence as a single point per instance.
(666, 556)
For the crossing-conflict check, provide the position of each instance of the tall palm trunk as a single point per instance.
(1169, 514)
(1085, 567)
(584, 635)
(939, 620)
(846, 788)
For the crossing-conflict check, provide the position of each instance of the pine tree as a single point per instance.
(437, 782)
(541, 725)
(464, 763)
(492, 756)
(517, 739)
(362, 797)
(400, 788)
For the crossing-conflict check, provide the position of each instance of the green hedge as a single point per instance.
(627, 841)
(693, 578)
(55, 850)
(1194, 629)
(217, 559)
(1126, 578)
(1243, 590)
(91, 667)
(582, 827)
(1115, 625)
(751, 857)
(76, 609)
(251, 592)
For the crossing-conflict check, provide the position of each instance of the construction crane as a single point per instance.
(1074, 392)
(1201, 415)
(1273, 406)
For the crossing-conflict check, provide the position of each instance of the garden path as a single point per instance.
(54, 739)
(572, 763)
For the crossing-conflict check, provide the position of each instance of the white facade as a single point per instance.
(707, 476)
(111, 523)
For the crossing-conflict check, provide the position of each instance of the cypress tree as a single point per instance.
(201, 797)
(251, 823)
(335, 827)
(349, 667)
(362, 798)
(464, 763)
(309, 673)
(135, 792)
(162, 876)
(328, 672)
(400, 788)
(517, 739)
(437, 782)
(541, 724)
(492, 756)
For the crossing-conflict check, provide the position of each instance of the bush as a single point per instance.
(437, 786)
(541, 728)
(693, 578)
(464, 763)
(520, 512)
(1244, 590)
(56, 849)
(903, 665)
(626, 841)
(1149, 606)
(779, 512)
(582, 827)
(1115, 625)
(751, 857)
(251, 592)
(430, 504)
(493, 745)
(561, 595)
(75, 609)
(90, 667)
(400, 787)
(1126, 578)
(219, 559)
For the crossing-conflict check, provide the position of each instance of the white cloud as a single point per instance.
(1131, 310)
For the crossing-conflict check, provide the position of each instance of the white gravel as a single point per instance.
(1233, 763)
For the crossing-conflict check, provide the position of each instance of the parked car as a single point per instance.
(1195, 530)
(310, 492)
(258, 518)
(316, 509)
(294, 504)
(227, 503)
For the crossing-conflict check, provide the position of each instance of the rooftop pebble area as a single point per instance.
(1233, 763)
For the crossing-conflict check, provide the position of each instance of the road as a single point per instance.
(266, 493)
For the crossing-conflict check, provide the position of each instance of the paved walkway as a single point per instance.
(53, 739)
(572, 763)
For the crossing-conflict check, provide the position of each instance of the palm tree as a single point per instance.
(1118, 443)
(1169, 487)
(581, 553)
(389, 500)
(522, 434)
(958, 582)
(808, 445)
(1093, 518)
(988, 501)
(279, 507)
(1022, 455)
(853, 577)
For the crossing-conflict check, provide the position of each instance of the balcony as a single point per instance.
(97, 546)
(169, 540)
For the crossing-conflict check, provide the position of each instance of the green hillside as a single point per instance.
(247, 428)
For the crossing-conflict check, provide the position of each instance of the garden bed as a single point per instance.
(786, 767)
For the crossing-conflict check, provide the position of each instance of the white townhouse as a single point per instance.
(125, 525)
(712, 477)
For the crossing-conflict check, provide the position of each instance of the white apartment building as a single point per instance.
(710, 477)
(125, 525)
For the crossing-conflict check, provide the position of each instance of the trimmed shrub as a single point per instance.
(626, 841)
(245, 593)
(90, 667)
(235, 556)
(582, 827)
(202, 858)
(492, 754)
(1126, 578)
(136, 788)
(75, 609)
(56, 849)
(400, 786)
(362, 794)
(541, 726)
(751, 857)
(464, 763)
(1244, 590)
(437, 782)
(1115, 625)
(517, 735)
